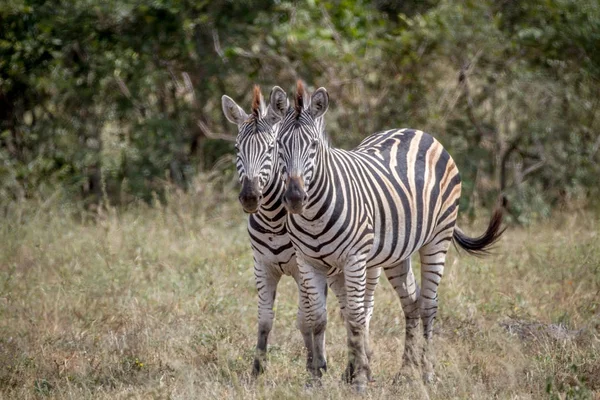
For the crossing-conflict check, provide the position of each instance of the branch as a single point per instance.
(527, 154)
(217, 43)
(188, 86)
(533, 168)
(173, 76)
(462, 80)
(504, 161)
(212, 135)
(127, 93)
(187, 83)
(336, 35)
(595, 148)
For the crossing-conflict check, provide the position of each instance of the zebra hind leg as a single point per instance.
(433, 258)
(372, 280)
(303, 324)
(402, 279)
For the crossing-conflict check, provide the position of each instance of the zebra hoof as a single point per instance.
(257, 368)
(429, 377)
(348, 374)
(313, 383)
(370, 378)
(360, 387)
(406, 376)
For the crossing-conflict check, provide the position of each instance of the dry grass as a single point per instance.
(160, 303)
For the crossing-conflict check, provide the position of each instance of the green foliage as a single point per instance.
(121, 97)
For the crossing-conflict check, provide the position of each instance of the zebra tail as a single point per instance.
(480, 246)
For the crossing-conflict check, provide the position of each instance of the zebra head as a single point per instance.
(254, 146)
(299, 141)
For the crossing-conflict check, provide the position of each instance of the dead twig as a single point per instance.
(213, 135)
(127, 93)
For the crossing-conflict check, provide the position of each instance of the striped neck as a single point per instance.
(271, 211)
(323, 185)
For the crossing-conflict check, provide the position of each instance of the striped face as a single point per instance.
(254, 146)
(254, 162)
(299, 142)
(298, 145)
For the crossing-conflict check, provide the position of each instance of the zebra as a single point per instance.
(353, 213)
(273, 253)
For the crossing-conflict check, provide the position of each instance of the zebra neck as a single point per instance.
(323, 186)
(272, 212)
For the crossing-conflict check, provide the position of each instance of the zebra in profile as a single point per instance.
(352, 213)
(260, 196)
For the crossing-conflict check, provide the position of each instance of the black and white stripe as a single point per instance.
(274, 255)
(355, 212)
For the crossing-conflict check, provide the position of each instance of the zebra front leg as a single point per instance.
(355, 277)
(266, 284)
(433, 258)
(403, 281)
(338, 286)
(314, 303)
(302, 322)
(372, 280)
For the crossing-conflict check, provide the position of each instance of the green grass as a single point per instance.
(159, 302)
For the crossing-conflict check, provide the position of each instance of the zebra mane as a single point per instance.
(258, 104)
(300, 97)
(325, 139)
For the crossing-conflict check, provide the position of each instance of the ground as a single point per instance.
(159, 302)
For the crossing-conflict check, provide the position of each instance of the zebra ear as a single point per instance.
(271, 116)
(278, 101)
(232, 111)
(319, 103)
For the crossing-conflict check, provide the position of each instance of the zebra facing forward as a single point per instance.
(352, 213)
(261, 193)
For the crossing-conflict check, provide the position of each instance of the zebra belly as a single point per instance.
(394, 243)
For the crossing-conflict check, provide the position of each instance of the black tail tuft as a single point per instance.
(480, 246)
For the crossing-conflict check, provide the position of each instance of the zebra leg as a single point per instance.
(355, 277)
(320, 325)
(314, 309)
(266, 283)
(337, 284)
(303, 323)
(433, 258)
(403, 281)
(372, 280)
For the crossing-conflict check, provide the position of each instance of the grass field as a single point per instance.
(160, 303)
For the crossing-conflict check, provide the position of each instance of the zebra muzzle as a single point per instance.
(295, 197)
(250, 195)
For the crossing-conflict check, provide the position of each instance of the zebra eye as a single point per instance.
(237, 147)
(314, 144)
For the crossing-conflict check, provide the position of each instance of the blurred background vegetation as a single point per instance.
(120, 99)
